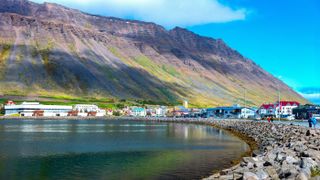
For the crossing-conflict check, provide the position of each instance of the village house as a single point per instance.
(266, 110)
(282, 109)
(286, 107)
(195, 112)
(137, 112)
(89, 110)
(109, 112)
(235, 111)
(179, 111)
(157, 111)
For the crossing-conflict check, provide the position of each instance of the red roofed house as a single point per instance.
(10, 103)
(273, 109)
(267, 110)
(286, 107)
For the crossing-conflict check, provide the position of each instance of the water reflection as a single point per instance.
(113, 149)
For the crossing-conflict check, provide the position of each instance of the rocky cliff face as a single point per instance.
(49, 49)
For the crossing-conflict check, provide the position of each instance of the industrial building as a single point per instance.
(36, 109)
(29, 109)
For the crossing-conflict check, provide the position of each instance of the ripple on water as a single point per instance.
(113, 150)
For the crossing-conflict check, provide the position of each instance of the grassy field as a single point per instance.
(105, 103)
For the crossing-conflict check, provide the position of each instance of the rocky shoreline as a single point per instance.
(284, 151)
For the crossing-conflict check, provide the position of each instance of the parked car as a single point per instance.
(257, 118)
(288, 117)
(317, 116)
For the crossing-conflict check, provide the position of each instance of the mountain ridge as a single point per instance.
(57, 49)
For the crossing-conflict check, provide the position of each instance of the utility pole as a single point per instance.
(279, 99)
(245, 102)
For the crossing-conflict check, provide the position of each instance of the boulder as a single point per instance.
(237, 176)
(250, 176)
(292, 160)
(307, 163)
(302, 176)
(226, 177)
(249, 159)
(272, 172)
(267, 163)
(262, 174)
(250, 165)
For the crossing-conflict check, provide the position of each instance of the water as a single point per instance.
(111, 149)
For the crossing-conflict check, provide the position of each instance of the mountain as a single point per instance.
(48, 49)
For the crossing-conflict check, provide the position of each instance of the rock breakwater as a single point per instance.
(285, 151)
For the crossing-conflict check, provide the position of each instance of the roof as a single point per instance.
(180, 108)
(30, 103)
(249, 108)
(282, 103)
(10, 103)
(37, 107)
(267, 106)
(224, 108)
(289, 103)
(86, 105)
(138, 109)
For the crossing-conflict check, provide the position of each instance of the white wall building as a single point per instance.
(161, 111)
(247, 113)
(30, 109)
(283, 108)
(86, 109)
(156, 111)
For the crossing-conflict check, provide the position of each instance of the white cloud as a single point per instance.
(313, 97)
(168, 13)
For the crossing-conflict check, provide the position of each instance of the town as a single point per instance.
(285, 110)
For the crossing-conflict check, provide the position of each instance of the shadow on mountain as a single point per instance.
(79, 75)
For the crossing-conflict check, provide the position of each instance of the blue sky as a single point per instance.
(282, 36)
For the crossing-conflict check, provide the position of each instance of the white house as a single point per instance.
(89, 110)
(247, 113)
(267, 110)
(157, 111)
(161, 111)
(283, 108)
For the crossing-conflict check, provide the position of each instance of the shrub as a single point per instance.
(1, 111)
(315, 171)
(116, 113)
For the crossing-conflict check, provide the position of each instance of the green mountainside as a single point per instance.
(53, 51)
